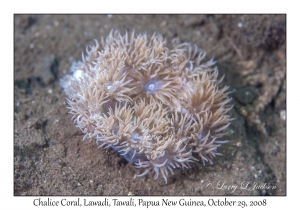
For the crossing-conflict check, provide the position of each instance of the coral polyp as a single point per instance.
(159, 108)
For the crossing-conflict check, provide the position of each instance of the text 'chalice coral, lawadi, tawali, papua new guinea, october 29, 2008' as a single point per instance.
(159, 108)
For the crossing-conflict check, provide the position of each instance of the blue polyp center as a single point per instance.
(151, 87)
(136, 136)
(163, 158)
(137, 157)
(116, 129)
(203, 134)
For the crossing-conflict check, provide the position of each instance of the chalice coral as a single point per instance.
(159, 108)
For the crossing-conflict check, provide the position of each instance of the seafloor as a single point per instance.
(50, 157)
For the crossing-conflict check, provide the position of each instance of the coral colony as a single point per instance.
(159, 108)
